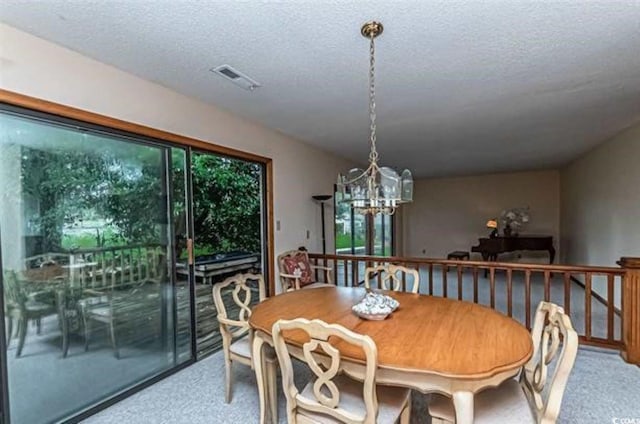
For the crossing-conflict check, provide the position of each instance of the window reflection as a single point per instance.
(86, 260)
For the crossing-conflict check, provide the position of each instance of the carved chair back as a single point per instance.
(554, 340)
(324, 360)
(14, 295)
(232, 298)
(296, 270)
(303, 273)
(391, 277)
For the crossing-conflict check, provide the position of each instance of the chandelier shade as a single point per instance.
(379, 190)
(375, 189)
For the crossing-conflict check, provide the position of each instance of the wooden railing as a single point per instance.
(104, 267)
(119, 266)
(603, 302)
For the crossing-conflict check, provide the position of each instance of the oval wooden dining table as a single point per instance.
(430, 344)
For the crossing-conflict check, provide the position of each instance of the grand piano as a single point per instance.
(490, 248)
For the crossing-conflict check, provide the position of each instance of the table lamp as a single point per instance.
(493, 223)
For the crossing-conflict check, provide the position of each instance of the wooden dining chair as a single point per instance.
(333, 397)
(390, 277)
(534, 398)
(297, 272)
(232, 298)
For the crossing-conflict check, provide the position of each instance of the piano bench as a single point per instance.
(458, 255)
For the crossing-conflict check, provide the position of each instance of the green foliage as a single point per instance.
(344, 241)
(63, 183)
(226, 204)
(86, 240)
(122, 188)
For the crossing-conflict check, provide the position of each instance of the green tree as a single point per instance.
(226, 203)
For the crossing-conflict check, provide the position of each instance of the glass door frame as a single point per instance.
(265, 252)
(81, 119)
(128, 137)
(4, 381)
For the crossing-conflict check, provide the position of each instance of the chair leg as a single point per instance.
(228, 380)
(405, 416)
(114, 344)
(9, 330)
(87, 331)
(23, 324)
(273, 390)
(65, 338)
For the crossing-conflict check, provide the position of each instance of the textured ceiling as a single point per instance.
(463, 86)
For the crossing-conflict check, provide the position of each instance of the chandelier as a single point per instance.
(376, 189)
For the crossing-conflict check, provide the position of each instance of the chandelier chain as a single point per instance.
(373, 156)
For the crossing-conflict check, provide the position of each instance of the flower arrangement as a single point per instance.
(514, 219)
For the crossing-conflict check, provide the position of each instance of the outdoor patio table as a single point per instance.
(429, 344)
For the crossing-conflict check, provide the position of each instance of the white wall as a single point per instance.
(450, 214)
(601, 202)
(38, 68)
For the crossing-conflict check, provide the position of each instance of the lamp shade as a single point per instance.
(492, 223)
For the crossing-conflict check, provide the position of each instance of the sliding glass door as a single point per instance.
(109, 245)
(228, 221)
(358, 234)
(90, 223)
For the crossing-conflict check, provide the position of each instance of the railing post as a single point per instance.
(631, 309)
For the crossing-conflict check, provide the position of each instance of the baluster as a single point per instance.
(315, 270)
(475, 284)
(587, 305)
(492, 286)
(404, 278)
(509, 292)
(459, 269)
(547, 286)
(356, 273)
(444, 280)
(115, 272)
(122, 281)
(567, 293)
(610, 305)
(527, 297)
(335, 271)
(431, 279)
(325, 263)
(94, 270)
(129, 265)
(104, 266)
(345, 266)
(139, 262)
(151, 270)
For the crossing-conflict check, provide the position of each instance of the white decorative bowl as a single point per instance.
(375, 306)
(372, 317)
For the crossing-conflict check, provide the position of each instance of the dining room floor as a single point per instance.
(601, 387)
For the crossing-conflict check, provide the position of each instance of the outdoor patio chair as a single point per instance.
(128, 304)
(24, 307)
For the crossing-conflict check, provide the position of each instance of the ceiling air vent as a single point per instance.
(236, 77)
